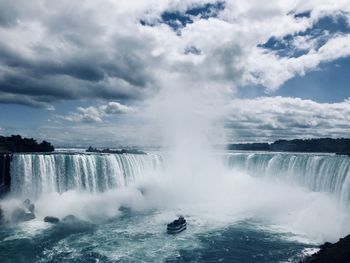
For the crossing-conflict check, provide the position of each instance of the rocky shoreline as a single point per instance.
(338, 252)
(26, 212)
(21, 213)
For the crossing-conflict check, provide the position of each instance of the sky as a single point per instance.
(85, 72)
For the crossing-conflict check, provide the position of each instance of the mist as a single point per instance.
(226, 200)
(193, 180)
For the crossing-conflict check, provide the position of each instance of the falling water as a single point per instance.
(318, 172)
(35, 174)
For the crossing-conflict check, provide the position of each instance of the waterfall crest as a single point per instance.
(35, 174)
(318, 172)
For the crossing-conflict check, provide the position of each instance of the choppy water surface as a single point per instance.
(264, 207)
(142, 238)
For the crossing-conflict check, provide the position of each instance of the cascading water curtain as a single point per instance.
(35, 174)
(318, 172)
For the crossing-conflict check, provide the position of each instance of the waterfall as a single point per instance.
(318, 172)
(35, 174)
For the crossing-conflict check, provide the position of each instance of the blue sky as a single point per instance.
(89, 74)
(328, 84)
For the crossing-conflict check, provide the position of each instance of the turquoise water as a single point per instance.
(135, 237)
(263, 207)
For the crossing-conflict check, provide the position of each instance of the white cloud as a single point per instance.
(97, 114)
(89, 114)
(52, 51)
(271, 70)
(268, 118)
(79, 52)
(116, 108)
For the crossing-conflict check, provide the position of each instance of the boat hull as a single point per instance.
(175, 230)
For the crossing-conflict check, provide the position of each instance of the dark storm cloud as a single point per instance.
(32, 101)
(66, 51)
(70, 57)
(79, 77)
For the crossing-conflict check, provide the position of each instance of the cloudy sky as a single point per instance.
(76, 72)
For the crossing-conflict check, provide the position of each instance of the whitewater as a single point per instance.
(254, 206)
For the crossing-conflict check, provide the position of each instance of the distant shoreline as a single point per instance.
(19, 144)
(341, 146)
(317, 145)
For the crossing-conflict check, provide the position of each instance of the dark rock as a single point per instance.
(5, 178)
(20, 215)
(72, 223)
(124, 209)
(13, 144)
(28, 216)
(31, 208)
(70, 219)
(1, 216)
(327, 245)
(51, 219)
(26, 203)
(338, 252)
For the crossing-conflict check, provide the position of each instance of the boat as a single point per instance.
(177, 225)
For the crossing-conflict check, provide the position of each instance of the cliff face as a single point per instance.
(5, 178)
